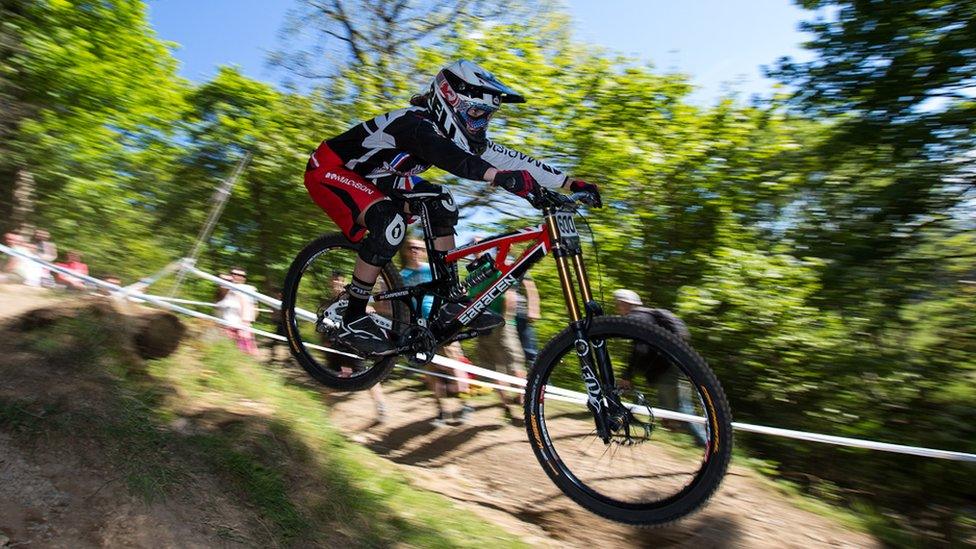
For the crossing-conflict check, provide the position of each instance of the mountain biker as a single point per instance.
(350, 175)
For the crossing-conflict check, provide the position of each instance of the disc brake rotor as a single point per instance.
(632, 430)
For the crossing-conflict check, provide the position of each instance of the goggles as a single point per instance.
(476, 114)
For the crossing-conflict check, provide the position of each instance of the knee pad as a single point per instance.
(386, 231)
(443, 210)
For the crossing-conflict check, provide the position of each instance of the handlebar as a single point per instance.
(546, 198)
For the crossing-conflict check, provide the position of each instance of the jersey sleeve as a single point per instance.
(418, 136)
(503, 158)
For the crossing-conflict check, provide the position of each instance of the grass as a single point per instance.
(377, 504)
(210, 410)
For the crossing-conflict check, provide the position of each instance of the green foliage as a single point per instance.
(820, 247)
(896, 170)
(269, 213)
(102, 96)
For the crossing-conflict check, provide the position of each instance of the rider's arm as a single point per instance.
(504, 158)
(418, 135)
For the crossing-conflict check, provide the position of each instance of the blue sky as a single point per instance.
(720, 43)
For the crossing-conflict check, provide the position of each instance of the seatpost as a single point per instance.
(433, 259)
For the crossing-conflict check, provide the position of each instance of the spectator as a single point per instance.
(112, 279)
(74, 264)
(249, 310)
(526, 313)
(500, 349)
(416, 269)
(444, 388)
(656, 369)
(11, 267)
(47, 251)
(228, 308)
(278, 319)
(20, 270)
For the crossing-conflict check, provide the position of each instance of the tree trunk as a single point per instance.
(264, 235)
(22, 204)
(6, 200)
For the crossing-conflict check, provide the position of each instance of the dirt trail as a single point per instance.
(488, 465)
(64, 497)
(16, 299)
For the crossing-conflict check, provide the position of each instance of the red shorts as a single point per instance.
(341, 192)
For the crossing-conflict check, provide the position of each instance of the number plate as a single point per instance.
(566, 225)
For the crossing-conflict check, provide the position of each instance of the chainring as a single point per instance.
(421, 345)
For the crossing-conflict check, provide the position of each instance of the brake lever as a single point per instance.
(585, 198)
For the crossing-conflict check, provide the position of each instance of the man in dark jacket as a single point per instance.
(657, 369)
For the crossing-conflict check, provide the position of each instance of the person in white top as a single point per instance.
(249, 311)
(228, 308)
(19, 269)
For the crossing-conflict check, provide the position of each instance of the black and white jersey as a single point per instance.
(392, 147)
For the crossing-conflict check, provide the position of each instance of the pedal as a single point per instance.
(467, 334)
(329, 317)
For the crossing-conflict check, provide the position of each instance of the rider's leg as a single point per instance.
(387, 228)
(443, 214)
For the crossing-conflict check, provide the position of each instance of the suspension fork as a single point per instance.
(593, 309)
(595, 368)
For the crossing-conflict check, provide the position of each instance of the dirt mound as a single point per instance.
(80, 460)
(151, 333)
(99, 447)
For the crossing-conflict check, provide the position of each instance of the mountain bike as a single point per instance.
(645, 452)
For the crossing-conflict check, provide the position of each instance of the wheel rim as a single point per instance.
(658, 469)
(318, 283)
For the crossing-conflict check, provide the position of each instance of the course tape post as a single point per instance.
(552, 392)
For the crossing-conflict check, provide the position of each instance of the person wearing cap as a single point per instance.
(656, 369)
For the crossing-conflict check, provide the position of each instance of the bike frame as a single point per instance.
(557, 234)
(546, 237)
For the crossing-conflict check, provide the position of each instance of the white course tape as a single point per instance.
(246, 290)
(120, 292)
(183, 301)
(856, 442)
(553, 392)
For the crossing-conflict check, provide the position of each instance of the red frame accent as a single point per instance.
(537, 235)
(504, 244)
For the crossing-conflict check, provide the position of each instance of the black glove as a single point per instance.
(578, 185)
(519, 182)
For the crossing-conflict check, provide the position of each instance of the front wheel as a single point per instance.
(672, 437)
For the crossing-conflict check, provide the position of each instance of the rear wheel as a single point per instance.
(672, 446)
(314, 285)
